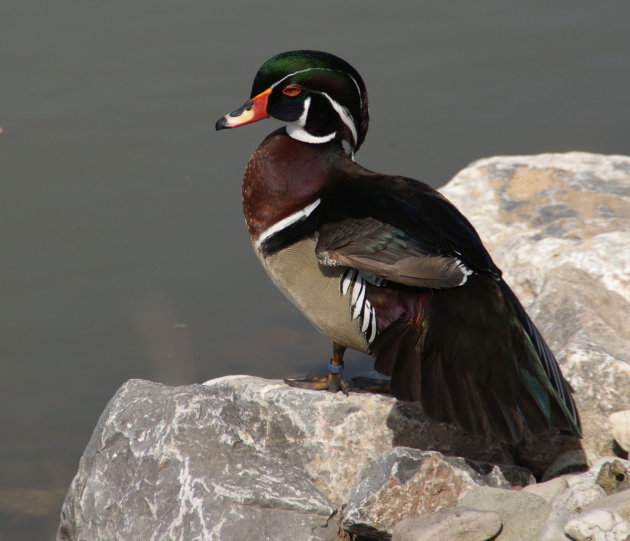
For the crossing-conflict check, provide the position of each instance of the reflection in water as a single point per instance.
(167, 340)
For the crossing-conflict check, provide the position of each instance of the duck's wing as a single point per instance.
(400, 230)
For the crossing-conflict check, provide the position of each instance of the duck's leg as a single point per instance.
(332, 382)
(335, 371)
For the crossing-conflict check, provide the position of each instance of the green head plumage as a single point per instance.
(321, 97)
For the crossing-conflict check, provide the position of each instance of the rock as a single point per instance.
(620, 428)
(585, 492)
(558, 225)
(181, 464)
(332, 436)
(553, 527)
(406, 483)
(282, 457)
(522, 514)
(619, 502)
(549, 489)
(456, 524)
(578, 497)
(613, 477)
(597, 469)
(598, 525)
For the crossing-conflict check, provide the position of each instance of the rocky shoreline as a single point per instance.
(241, 457)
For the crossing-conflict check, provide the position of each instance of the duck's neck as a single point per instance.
(285, 178)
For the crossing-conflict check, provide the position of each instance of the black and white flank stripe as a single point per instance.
(361, 308)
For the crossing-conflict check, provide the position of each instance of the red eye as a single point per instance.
(291, 91)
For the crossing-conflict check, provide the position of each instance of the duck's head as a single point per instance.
(321, 98)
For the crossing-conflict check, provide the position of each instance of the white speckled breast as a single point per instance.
(314, 289)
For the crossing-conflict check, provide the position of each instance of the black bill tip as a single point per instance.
(221, 124)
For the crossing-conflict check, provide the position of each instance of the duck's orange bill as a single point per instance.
(251, 111)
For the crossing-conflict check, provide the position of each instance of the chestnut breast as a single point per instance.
(282, 177)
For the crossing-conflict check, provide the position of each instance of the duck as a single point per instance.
(387, 265)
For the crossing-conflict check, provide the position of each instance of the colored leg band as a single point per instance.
(334, 368)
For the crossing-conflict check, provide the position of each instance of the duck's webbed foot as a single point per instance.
(333, 382)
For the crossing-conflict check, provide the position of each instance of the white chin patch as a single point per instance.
(295, 131)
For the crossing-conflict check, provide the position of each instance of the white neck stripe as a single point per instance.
(291, 219)
(300, 134)
(344, 115)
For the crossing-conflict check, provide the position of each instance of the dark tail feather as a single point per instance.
(550, 365)
(397, 353)
(477, 360)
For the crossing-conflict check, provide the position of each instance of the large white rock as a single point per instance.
(209, 461)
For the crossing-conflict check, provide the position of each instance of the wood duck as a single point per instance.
(386, 265)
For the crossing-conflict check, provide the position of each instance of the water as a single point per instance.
(123, 249)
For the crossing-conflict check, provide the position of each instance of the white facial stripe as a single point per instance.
(345, 116)
(300, 215)
(327, 69)
(296, 130)
(304, 116)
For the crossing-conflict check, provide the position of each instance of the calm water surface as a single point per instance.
(123, 248)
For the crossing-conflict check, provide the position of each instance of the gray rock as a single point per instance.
(177, 463)
(522, 514)
(456, 524)
(406, 483)
(558, 225)
(598, 525)
(549, 489)
(553, 527)
(235, 446)
(332, 437)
